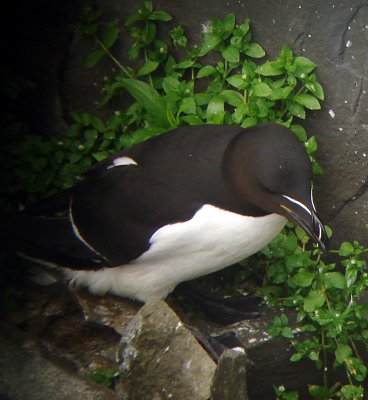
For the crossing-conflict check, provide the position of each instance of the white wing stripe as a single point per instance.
(78, 234)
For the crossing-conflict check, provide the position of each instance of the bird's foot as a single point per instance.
(224, 311)
(215, 345)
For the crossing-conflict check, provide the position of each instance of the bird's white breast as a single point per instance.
(211, 240)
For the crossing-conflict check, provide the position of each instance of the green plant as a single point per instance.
(104, 376)
(331, 318)
(282, 394)
(234, 90)
(166, 92)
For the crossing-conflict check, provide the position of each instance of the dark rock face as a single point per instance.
(333, 34)
(28, 372)
(56, 340)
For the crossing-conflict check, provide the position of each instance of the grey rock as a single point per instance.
(230, 380)
(163, 360)
(27, 373)
(112, 311)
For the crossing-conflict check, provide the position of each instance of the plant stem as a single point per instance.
(323, 339)
(286, 109)
(354, 347)
(146, 59)
(115, 60)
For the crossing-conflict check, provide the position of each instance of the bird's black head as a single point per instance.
(270, 170)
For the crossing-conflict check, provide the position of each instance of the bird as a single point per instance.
(175, 207)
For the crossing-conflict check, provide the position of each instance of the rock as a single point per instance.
(163, 360)
(266, 362)
(27, 373)
(230, 380)
(115, 312)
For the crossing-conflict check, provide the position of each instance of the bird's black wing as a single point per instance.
(118, 210)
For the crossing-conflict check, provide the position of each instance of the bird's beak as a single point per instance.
(307, 219)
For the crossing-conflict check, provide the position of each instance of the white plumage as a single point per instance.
(211, 240)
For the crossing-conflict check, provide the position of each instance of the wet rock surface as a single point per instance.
(29, 371)
(61, 343)
(162, 359)
(230, 380)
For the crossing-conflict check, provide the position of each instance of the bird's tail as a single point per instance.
(50, 239)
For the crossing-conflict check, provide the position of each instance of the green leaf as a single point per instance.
(228, 24)
(100, 155)
(250, 121)
(316, 168)
(313, 355)
(147, 7)
(134, 51)
(314, 300)
(316, 89)
(311, 145)
(184, 64)
(237, 81)
(297, 110)
(346, 249)
(301, 235)
(110, 34)
(75, 157)
(342, 352)
(149, 99)
(231, 54)
(207, 70)
(303, 278)
(232, 97)
(328, 231)
(187, 106)
(308, 101)
(286, 55)
(351, 392)
(254, 50)
(91, 136)
(240, 113)
(215, 110)
(299, 132)
(148, 34)
(244, 27)
(261, 89)
(104, 376)
(160, 16)
(334, 280)
(296, 357)
(93, 58)
(145, 133)
(351, 277)
(305, 64)
(291, 80)
(148, 67)
(192, 120)
(138, 16)
(210, 42)
(170, 84)
(178, 37)
(287, 332)
(269, 69)
(320, 392)
(202, 99)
